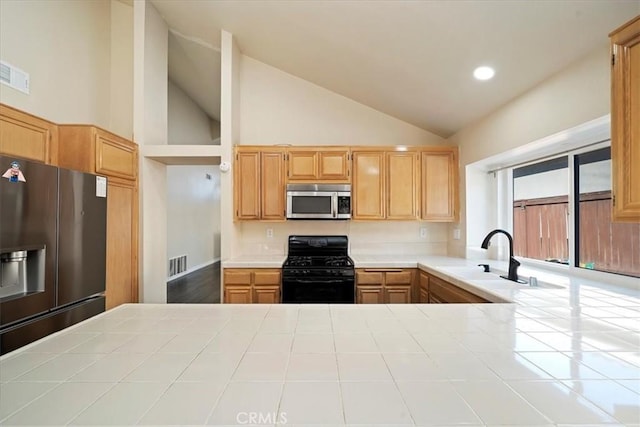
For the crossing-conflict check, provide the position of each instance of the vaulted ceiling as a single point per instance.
(410, 59)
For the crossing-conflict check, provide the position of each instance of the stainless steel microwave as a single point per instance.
(318, 201)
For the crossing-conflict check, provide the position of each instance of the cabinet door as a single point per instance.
(397, 294)
(439, 185)
(266, 294)
(424, 288)
(303, 165)
(27, 136)
(368, 185)
(267, 276)
(625, 121)
(272, 192)
(369, 295)
(333, 165)
(115, 157)
(122, 243)
(237, 294)
(446, 292)
(247, 185)
(403, 185)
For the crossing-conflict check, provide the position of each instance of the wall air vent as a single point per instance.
(177, 265)
(14, 77)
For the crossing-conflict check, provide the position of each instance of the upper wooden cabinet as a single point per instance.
(440, 184)
(625, 121)
(403, 185)
(27, 136)
(318, 164)
(386, 184)
(259, 191)
(94, 150)
(368, 189)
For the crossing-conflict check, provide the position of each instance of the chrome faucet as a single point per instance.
(513, 263)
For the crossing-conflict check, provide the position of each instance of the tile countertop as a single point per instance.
(562, 356)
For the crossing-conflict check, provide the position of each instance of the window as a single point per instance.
(540, 209)
(601, 244)
(542, 225)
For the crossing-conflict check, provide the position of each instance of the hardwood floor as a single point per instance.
(200, 287)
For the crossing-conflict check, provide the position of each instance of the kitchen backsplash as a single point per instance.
(365, 238)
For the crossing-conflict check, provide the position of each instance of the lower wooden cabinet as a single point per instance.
(122, 243)
(441, 291)
(384, 286)
(252, 285)
(423, 288)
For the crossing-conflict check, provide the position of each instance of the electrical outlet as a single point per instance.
(269, 233)
(423, 232)
(456, 234)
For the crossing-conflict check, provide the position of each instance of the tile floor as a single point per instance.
(414, 365)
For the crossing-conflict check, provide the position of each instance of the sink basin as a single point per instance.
(477, 275)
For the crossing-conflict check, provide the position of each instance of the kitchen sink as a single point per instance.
(475, 274)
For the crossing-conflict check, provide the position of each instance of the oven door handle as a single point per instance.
(318, 281)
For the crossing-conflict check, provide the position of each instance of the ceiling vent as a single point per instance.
(14, 77)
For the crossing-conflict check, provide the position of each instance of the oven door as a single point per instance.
(312, 205)
(318, 290)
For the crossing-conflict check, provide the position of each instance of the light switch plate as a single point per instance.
(423, 232)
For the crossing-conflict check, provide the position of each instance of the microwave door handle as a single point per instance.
(334, 204)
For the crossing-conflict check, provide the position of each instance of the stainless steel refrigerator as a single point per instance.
(52, 249)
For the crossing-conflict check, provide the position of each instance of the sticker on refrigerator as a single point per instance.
(101, 186)
(14, 174)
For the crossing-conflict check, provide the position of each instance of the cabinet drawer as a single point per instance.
(266, 278)
(369, 277)
(398, 278)
(237, 277)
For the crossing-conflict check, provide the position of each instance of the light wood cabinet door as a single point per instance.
(318, 164)
(444, 292)
(266, 295)
(333, 165)
(423, 292)
(368, 191)
(303, 165)
(272, 189)
(122, 243)
(237, 294)
(27, 136)
(397, 294)
(115, 157)
(369, 295)
(440, 185)
(625, 121)
(403, 185)
(247, 185)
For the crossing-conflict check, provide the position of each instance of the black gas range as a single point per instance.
(318, 269)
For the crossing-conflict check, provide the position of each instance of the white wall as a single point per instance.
(156, 65)
(65, 46)
(193, 214)
(188, 124)
(121, 102)
(576, 95)
(365, 238)
(279, 108)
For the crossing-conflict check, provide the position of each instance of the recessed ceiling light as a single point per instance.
(483, 73)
